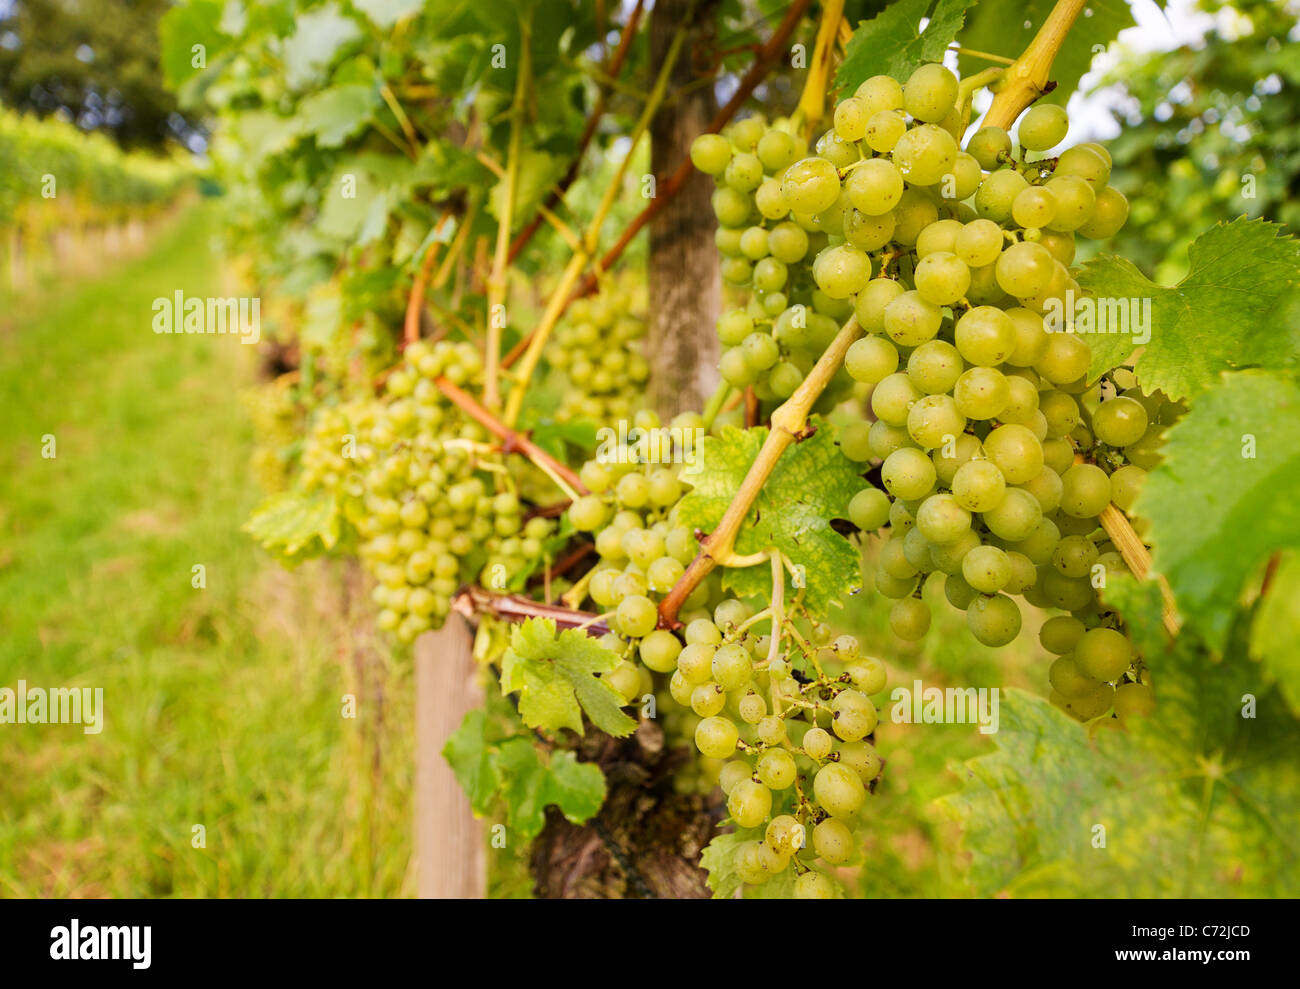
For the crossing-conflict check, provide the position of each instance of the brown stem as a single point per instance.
(511, 442)
(1135, 554)
(415, 301)
(789, 425)
(474, 601)
(1026, 78)
(612, 69)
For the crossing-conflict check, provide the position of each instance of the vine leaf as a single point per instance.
(1222, 317)
(1199, 795)
(811, 484)
(333, 115)
(526, 781)
(1276, 629)
(891, 43)
(386, 13)
(1005, 27)
(719, 861)
(180, 29)
(295, 526)
(1218, 504)
(557, 679)
(319, 35)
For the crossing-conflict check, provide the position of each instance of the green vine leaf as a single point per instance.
(294, 526)
(891, 43)
(557, 679)
(811, 484)
(470, 758)
(1195, 799)
(1222, 317)
(1217, 504)
(333, 115)
(318, 37)
(719, 861)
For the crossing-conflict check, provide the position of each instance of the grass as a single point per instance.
(223, 703)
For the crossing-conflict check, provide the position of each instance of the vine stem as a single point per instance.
(812, 101)
(415, 301)
(496, 285)
(1135, 554)
(1026, 78)
(473, 601)
(560, 298)
(612, 69)
(512, 442)
(789, 425)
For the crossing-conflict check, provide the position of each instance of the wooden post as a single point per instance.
(451, 855)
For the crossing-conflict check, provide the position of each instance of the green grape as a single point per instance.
(869, 674)
(872, 301)
(871, 359)
(1031, 337)
(760, 351)
(744, 172)
(978, 243)
(915, 211)
(787, 242)
(892, 398)
(959, 593)
(868, 232)
(1060, 634)
(893, 559)
(588, 513)
(934, 366)
(924, 154)
(988, 144)
(853, 716)
(833, 841)
(850, 119)
(1089, 162)
(911, 320)
(1109, 214)
(842, 271)
(771, 204)
(884, 128)
(1074, 199)
(1089, 706)
(776, 769)
(711, 153)
(930, 93)
(731, 206)
(994, 621)
(981, 393)
(1120, 421)
(916, 550)
(869, 509)
(979, 486)
(753, 243)
(880, 93)
(987, 569)
(997, 193)
(941, 278)
(884, 439)
(837, 151)
(815, 886)
(1043, 126)
(1131, 699)
(1074, 556)
(1085, 491)
(1034, 207)
(1016, 517)
(963, 179)
(985, 335)
(732, 666)
(1022, 400)
(939, 237)
(1025, 269)
(809, 186)
(942, 520)
(1103, 654)
(1039, 544)
(1061, 412)
(659, 651)
(749, 802)
(1125, 485)
(947, 558)
(839, 790)
(947, 460)
(933, 419)
(716, 738)
(875, 186)
(817, 743)
(708, 700)
(1068, 680)
(909, 619)
(1046, 489)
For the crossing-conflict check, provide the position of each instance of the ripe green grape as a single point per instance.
(909, 619)
(995, 620)
(924, 154)
(934, 366)
(875, 186)
(871, 359)
(941, 278)
(1120, 421)
(979, 486)
(869, 509)
(987, 145)
(1043, 126)
(908, 474)
(839, 790)
(911, 320)
(997, 193)
(930, 93)
(1103, 653)
(809, 186)
(749, 802)
(711, 153)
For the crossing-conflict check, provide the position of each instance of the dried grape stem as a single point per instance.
(789, 422)
(474, 601)
(1135, 554)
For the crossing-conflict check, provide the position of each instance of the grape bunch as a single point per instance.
(997, 455)
(598, 349)
(425, 489)
(784, 727)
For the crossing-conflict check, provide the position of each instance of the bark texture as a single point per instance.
(685, 285)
